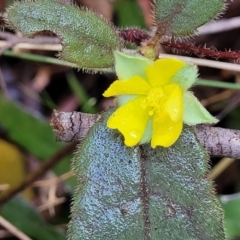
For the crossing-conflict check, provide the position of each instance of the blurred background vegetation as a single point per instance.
(31, 87)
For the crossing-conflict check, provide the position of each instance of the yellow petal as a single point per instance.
(165, 133)
(163, 70)
(131, 120)
(174, 104)
(135, 85)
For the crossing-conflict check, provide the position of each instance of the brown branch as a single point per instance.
(72, 126)
(47, 165)
(217, 141)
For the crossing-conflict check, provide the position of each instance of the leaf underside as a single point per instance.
(88, 40)
(143, 193)
(181, 18)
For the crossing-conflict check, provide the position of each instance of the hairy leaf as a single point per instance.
(88, 40)
(143, 193)
(181, 18)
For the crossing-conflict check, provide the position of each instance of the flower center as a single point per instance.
(154, 100)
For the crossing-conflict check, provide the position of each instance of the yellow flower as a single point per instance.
(151, 102)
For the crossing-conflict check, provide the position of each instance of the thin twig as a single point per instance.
(47, 165)
(52, 201)
(206, 63)
(220, 168)
(13, 230)
(37, 40)
(218, 26)
(13, 40)
(7, 46)
(217, 97)
(55, 180)
(32, 46)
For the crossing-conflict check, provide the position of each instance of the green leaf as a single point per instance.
(129, 65)
(32, 134)
(232, 215)
(181, 18)
(129, 14)
(195, 112)
(22, 215)
(186, 77)
(88, 40)
(130, 193)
